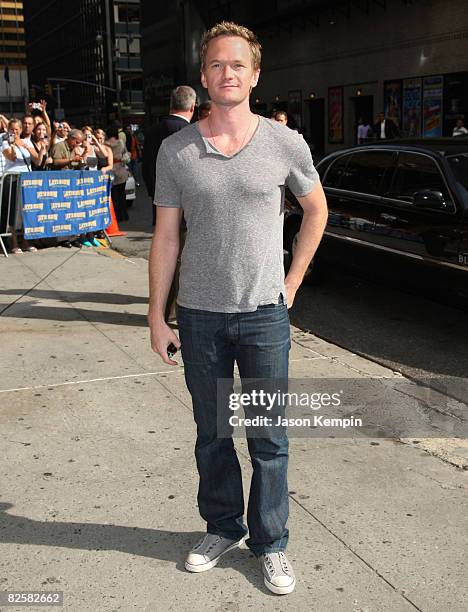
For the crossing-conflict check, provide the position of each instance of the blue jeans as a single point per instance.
(259, 342)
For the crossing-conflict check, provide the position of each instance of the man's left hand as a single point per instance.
(291, 290)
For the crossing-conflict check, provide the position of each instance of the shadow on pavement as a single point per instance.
(52, 313)
(79, 296)
(169, 546)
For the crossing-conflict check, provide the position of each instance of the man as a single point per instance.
(69, 154)
(61, 132)
(228, 174)
(459, 129)
(364, 131)
(281, 117)
(385, 129)
(182, 107)
(133, 148)
(122, 136)
(66, 154)
(28, 126)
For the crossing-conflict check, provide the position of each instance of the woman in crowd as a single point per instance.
(94, 151)
(104, 152)
(18, 158)
(90, 155)
(38, 111)
(121, 173)
(40, 141)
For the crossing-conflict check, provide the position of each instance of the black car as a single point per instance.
(396, 208)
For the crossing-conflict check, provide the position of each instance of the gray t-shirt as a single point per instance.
(232, 260)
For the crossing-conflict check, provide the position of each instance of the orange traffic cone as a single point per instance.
(113, 229)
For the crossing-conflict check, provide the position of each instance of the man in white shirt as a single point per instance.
(459, 129)
(28, 126)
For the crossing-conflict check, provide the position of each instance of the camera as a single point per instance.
(36, 105)
(11, 138)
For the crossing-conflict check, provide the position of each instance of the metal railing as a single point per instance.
(9, 206)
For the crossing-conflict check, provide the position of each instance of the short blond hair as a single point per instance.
(228, 28)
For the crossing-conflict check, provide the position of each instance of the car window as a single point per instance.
(416, 172)
(336, 171)
(367, 170)
(459, 165)
(322, 167)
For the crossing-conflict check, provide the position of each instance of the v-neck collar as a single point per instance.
(210, 148)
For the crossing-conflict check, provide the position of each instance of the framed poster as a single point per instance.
(335, 115)
(295, 108)
(392, 101)
(412, 92)
(433, 88)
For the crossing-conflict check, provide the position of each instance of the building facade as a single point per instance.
(14, 78)
(329, 63)
(84, 57)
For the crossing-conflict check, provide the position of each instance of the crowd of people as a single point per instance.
(35, 143)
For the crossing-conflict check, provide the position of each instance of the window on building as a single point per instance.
(128, 45)
(127, 13)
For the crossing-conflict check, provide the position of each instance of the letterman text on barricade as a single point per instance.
(55, 206)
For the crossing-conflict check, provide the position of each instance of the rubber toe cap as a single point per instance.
(196, 559)
(282, 581)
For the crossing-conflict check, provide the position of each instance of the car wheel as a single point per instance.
(312, 275)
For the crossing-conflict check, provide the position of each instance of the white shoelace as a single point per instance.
(283, 563)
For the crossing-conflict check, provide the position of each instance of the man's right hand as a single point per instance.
(161, 337)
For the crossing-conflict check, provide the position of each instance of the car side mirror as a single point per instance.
(426, 198)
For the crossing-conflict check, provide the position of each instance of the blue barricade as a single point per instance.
(63, 203)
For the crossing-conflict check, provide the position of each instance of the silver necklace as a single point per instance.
(243, 140)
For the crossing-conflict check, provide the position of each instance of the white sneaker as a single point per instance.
(208, 551)
(278, 573)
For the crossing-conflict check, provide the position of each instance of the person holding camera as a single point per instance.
(70, 153)
(103, 152)
(39, 115)
(18, 158)
(61, 132)
(93, 151)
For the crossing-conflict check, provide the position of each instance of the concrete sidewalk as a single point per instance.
(98, 477)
